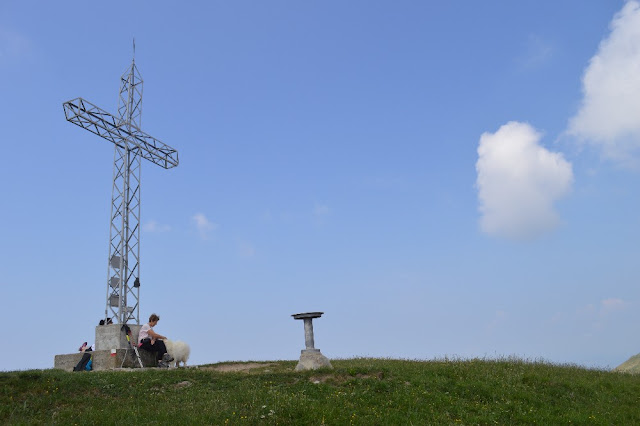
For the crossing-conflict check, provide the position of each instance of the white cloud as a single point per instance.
(609, 116)
(321, 210)
(604, 308)
(153, 226)
(612, 304)
(383, 182)
(518, 182)
(499, 318)
(246, 249)
(203, 225)
(13, 46)
(538, 52)
(591, 319)
(320, 214)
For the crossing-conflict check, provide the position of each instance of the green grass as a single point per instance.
(357, 391)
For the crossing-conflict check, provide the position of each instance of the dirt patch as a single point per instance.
(340, 379)
(323, 379)
(377, 375)
(632, 365)
(240, 367)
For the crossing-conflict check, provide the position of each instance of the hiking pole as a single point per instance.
(131, 345)
(135, 349)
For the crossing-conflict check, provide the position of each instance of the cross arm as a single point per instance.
(126, 135)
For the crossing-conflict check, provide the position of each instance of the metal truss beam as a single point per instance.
(131, 146)
(126, 135)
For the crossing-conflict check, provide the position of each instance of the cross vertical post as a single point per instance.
(131, 146)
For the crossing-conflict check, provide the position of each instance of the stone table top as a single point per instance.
(307, 315)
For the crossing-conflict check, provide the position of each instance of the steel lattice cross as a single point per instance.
(131, 145)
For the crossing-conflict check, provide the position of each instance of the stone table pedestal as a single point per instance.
(310, 357)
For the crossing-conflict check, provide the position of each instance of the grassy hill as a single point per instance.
(357, 391)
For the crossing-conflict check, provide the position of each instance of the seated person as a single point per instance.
(152, 341)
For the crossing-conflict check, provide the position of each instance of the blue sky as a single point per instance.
(440, 178)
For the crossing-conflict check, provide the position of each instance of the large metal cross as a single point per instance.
(131, 145)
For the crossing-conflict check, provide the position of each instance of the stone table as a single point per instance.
(310, 357)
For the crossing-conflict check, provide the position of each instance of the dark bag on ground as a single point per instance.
(81, 366)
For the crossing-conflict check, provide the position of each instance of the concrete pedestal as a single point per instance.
(112, 336)
(111, 349)
(312, 359)
(107, 359)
